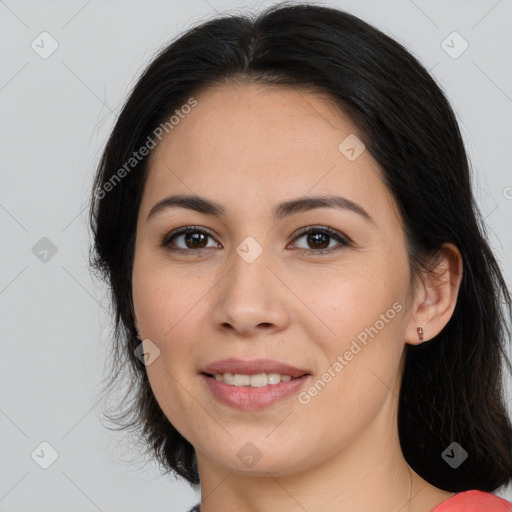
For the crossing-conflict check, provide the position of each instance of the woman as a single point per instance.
(303, 291)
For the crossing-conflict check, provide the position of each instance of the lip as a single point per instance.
(249, 398)
(253, 398)
(253, 367)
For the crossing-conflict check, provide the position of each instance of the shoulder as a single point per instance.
(474, 501)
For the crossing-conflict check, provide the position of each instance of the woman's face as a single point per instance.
(253, 287)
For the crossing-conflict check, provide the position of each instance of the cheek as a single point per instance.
(360, 363)
(165, 296)
(167, 306)
(173, 307)
(353, 298)
(364, 311)
(164, 308)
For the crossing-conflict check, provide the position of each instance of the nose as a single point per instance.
(252, 298)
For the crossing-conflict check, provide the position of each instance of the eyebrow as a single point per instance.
(282, 210)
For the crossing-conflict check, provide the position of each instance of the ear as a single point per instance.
(436, 295)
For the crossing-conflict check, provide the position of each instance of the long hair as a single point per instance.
(452, 388)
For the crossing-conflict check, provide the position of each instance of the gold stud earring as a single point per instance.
(420, 333)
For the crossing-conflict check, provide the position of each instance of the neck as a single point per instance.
(368, 473)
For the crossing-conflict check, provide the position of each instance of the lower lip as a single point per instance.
(249, 398)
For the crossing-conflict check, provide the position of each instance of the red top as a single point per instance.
(466, 501)
(474, 501)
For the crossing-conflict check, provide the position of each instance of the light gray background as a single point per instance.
(56, 114)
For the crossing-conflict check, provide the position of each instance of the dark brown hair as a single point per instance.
(452, 385)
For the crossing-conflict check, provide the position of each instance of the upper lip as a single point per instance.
(253, 367)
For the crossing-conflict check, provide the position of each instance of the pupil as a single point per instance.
(315, 238)
(193, 237)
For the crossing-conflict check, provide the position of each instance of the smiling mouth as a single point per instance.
(254, 380)
(253, 392)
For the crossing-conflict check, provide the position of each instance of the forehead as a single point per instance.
(248, 114)
(249, 142)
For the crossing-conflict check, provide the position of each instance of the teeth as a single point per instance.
(255, 381)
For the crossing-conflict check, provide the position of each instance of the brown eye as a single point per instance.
(197, 240)
(319, 239)
(187, 240)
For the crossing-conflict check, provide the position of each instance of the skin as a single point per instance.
(249, 147)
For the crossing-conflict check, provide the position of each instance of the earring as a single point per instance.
(139, 337)
(420, 333)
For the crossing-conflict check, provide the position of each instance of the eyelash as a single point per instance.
(343, 240)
